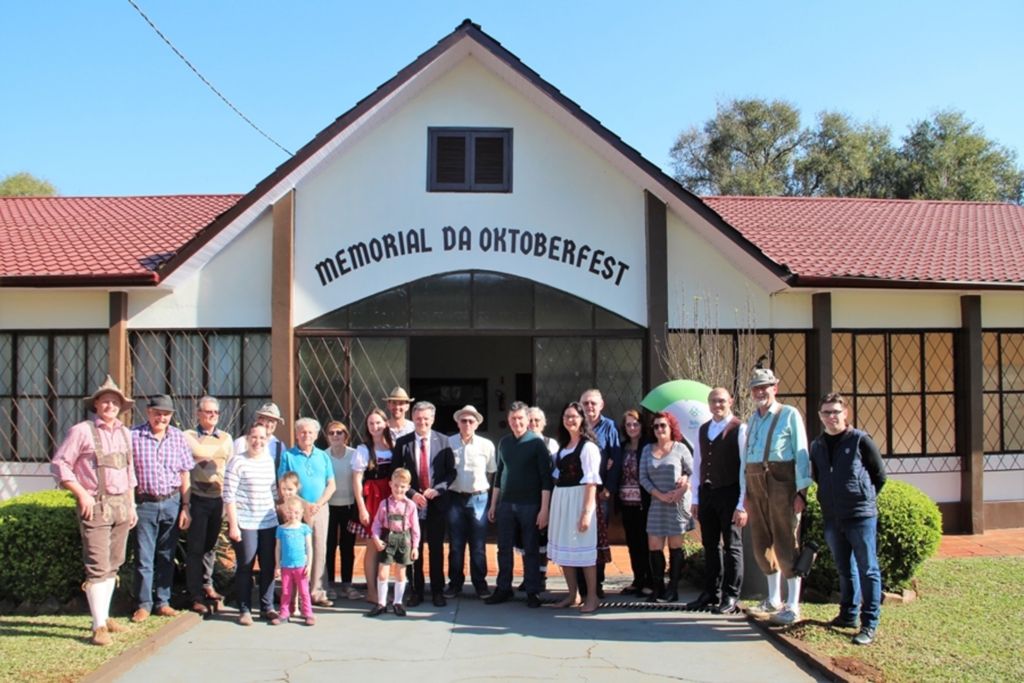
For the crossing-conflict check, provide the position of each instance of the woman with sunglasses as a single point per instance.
(665, 469)
(572, 532)
(632, 502)
(342, 508)
(371, 483)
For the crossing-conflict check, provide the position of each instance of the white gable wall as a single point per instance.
(232, 290)
(560, 187)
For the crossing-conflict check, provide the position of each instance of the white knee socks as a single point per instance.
(382, 592)
(99, 594)
(793, 592)
(774, 588)
(400, 590)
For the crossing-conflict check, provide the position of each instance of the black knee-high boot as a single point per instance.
(675, 558)
(657, 575)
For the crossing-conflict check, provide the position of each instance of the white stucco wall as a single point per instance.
(872, 309)
(1004, 485)
(942, 487)
(378, 186)
(17, 478)
(1000, 309)
(49, 309)
(697, 269)
(233, 290)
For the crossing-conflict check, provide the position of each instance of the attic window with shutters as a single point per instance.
(469, 160)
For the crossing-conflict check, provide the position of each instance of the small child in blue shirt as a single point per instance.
(294, 560)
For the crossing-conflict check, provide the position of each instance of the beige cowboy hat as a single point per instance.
(398, 394)
(108, 387)
(469, 410)
(272, 411)
(762, 377)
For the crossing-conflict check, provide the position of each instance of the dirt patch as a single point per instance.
(858, 667)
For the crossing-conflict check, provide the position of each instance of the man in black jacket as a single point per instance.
(428, 456)
(849, 471)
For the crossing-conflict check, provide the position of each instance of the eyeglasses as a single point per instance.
(632, 425)
(659, 426)
(467, 420)
(210, 412)
(591, 403)
(337, 432)
(572, 418)
(831, 413)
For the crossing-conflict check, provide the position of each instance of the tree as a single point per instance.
(747, 148)
(949, 157)
(25, 184)
(842, 158)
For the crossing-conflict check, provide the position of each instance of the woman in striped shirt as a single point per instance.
(250, 484)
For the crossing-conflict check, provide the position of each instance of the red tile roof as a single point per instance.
(887, 239)
(89, 238)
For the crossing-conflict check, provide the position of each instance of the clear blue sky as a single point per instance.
(94, 101)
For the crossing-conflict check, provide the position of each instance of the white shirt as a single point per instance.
(715, 429)
(274, 446)
(590, 460)
(473, 462)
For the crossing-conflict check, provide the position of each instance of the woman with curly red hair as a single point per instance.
(665, 469)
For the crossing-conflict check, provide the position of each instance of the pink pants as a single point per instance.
(290, 578)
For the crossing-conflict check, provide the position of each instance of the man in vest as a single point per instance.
(849, 471)
(718, 504)
(778, 473)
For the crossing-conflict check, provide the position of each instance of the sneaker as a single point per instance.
(764, 608)
(865, 637)
(839, 622)
(452, 592)
(787, 616)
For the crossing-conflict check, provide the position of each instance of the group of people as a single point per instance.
(408, 487)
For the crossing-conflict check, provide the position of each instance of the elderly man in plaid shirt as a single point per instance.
(163, 461)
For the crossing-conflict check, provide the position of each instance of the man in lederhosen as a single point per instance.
(94, 462)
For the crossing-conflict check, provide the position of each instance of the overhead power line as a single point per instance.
(203, 78)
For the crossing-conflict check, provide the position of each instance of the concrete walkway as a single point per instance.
(470, 641)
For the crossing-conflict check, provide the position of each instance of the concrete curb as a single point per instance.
(818, 662)
(127, 660)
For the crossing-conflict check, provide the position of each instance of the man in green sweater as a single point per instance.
(522, 491)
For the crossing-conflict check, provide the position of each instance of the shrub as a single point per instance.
(693, 561)
(909, 532)
(40, 547)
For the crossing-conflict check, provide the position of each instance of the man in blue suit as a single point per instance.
(428, 456)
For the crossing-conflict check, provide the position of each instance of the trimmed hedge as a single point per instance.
(909, 532)
(40, 547)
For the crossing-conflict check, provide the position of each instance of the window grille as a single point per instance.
(1003, 384)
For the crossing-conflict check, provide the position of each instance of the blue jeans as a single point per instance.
(467, 518)
(853, 545)
(508, 516)
(156, 536)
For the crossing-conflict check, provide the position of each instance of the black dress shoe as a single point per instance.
(399, 610)
(483, 592)
(413, 600)
(376, 611)
(522, 587)
(533, 601)
(702, 603)
(439, 600)
(499, 596)
(728, 605)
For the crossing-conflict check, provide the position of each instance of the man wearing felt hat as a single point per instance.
(163, 462)
(475, 466)
(94, 462)
(398, 403)
(778, 473)
(268, 415)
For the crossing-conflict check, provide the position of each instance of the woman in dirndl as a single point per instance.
(572, 530)
(371, 483)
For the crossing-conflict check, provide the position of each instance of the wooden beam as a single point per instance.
(819, 358)
(118, 338)
(282, 337)
(970, 415)
(656, 228)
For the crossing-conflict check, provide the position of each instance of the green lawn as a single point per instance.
(966, 625)
(56, 649)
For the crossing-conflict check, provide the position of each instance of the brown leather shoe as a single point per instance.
(115, 627)
(140, 616)
(165, 611)
(199, 608)
(101, 637)
(212, 594)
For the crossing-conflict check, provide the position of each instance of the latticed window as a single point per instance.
(900, 386)
(232, 365)
(43, 378)
(345, 378)
(1003, 372)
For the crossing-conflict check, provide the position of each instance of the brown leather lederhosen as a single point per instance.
(105, 535)
(771, 487)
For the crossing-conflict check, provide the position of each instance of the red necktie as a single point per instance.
(424, 466)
